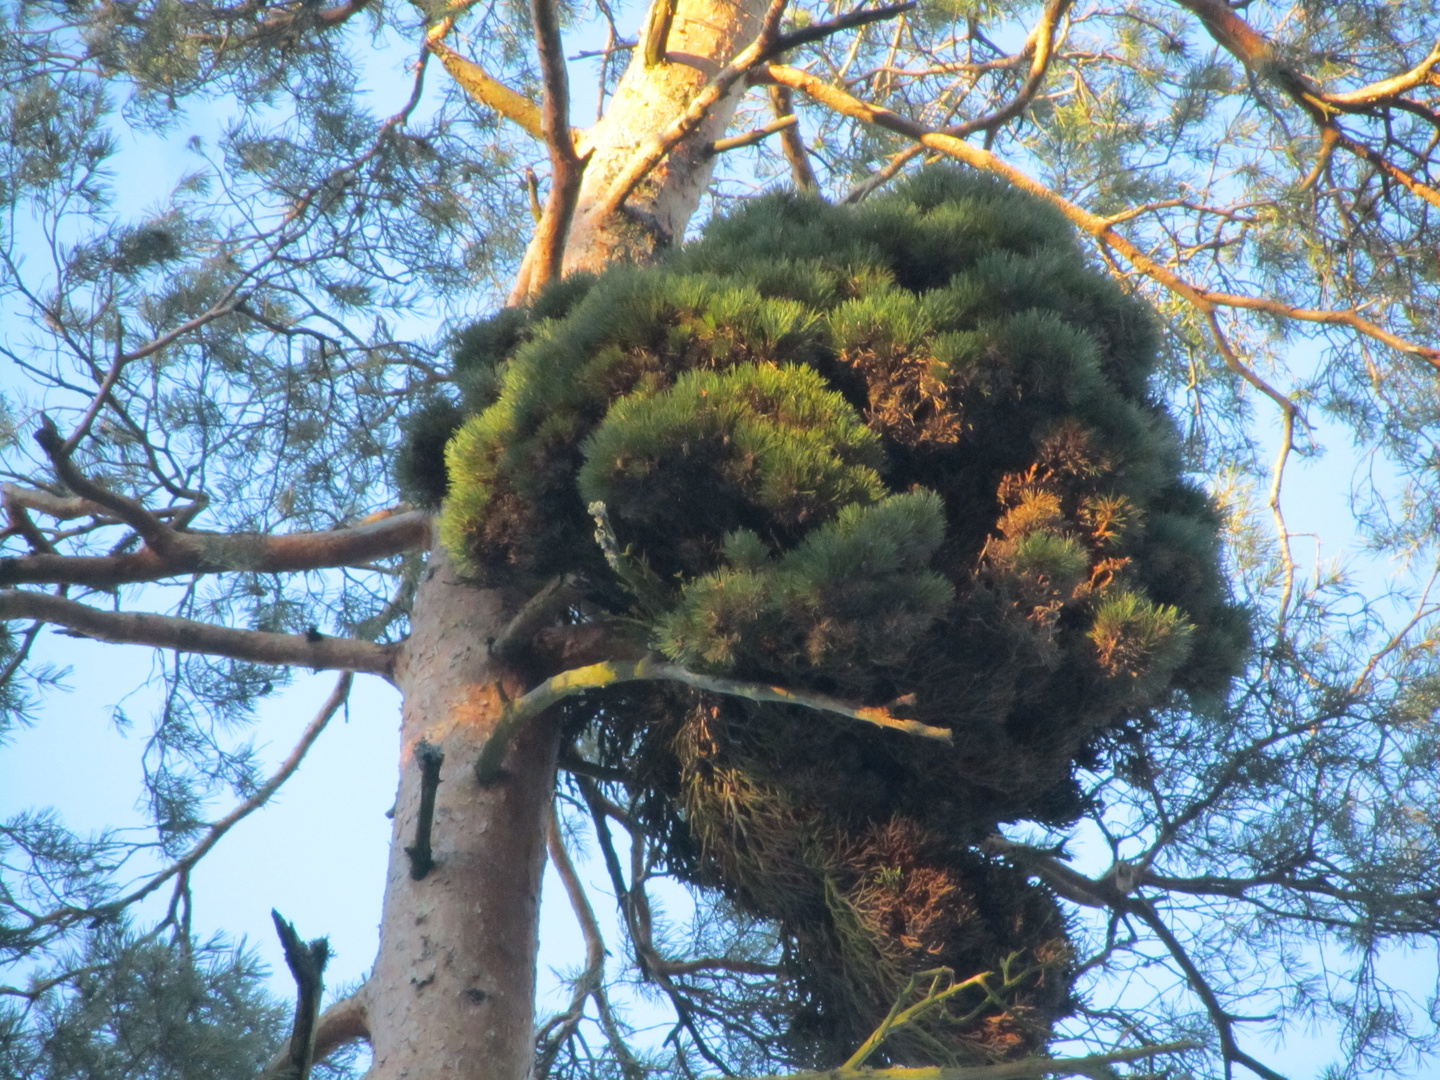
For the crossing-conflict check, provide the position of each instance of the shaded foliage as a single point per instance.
(908, 455)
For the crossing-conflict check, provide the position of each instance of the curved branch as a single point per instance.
(345, 1022)
(521, 711)
(1102, 229)
(196, 552)
(311, 650)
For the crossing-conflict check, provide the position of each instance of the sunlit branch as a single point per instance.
(566, 165)
(481, 85)
(798, 158)
(1259, 55)
(197, 552)
(750, 138)
(1389, 89)
(1206, 301)
(313, 650)
(521, 711)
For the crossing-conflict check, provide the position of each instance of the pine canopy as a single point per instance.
(904, 454)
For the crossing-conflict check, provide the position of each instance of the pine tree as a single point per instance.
(845, 561)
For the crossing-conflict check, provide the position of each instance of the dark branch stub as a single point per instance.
(307, 966)
(429, 758)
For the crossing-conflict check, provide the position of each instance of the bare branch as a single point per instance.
(613, 672)
(421, 857)
(307, 966)
(186, 635)
(798, 158)
(1219, 1016)
(1259, 55)
(1098, 227)
(559, 1028)
(152, 530)
(849, 21)
(196, 552)
(750, 138)
(566, 166)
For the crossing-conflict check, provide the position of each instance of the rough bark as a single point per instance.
(452, 993)
(701, 37)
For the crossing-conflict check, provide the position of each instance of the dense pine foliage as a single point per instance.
(906, 455)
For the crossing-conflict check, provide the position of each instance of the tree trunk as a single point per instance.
(452, 993)
(453, 990)
(703, 36)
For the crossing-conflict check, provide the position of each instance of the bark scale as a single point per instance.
(453, 990)
(701, 37)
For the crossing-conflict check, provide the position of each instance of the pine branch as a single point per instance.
(782, 104)
(521, 711)
(65, 917)
(1261, 57)
(189, 636)
(849, 21)
(482, 86)
(1102, 229)
(566, 166)
(151, 529)
(197, 552)
(750, 138)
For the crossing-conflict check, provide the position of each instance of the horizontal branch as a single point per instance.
(613, 672)
(750, 138)
(196, 552)
(189, 636)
